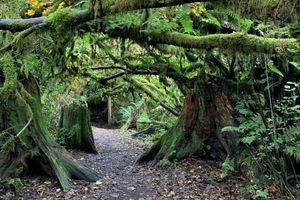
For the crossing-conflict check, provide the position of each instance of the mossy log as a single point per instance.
(205, 112)
(24, 137)
(75, 120)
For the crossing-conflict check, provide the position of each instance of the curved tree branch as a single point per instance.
(106, 79)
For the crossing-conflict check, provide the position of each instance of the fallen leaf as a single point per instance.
(131, 188)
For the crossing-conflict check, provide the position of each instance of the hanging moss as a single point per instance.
(61, 28)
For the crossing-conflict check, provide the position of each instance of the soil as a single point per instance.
(123, 179)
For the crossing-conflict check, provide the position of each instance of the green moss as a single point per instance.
(61, 26)
(8, 146)
(119, 6)
(190, 147)
(10, 74)
(18, 108)
(61, 19)
(242, 42)
(76, 121)
(178, 146)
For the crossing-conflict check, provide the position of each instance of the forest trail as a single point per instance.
(122, 179)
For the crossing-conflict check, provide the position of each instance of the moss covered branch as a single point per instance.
(241, 42)
(97, 8)
(150, 92)
(237, 42)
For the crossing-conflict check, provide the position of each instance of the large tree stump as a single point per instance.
(75, 120)
(205, 112)
(24, 137)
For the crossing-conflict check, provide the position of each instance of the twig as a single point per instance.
(24, 128)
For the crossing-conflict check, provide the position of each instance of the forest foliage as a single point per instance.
(148, 60)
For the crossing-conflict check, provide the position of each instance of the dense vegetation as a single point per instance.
(216, 79)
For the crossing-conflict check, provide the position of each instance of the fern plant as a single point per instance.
(183, 16)
(125, 112)
(243, 23)
(268, 148)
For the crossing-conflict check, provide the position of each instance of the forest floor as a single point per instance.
(123, 179)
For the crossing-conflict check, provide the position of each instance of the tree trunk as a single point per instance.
(24, 137)
(205, 112)
(75, 120)
(109, 114)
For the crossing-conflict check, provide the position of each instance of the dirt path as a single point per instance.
(122, 179)
(115, 163)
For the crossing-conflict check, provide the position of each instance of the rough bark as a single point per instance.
(76, 122)
(24, 137)
(205, 111)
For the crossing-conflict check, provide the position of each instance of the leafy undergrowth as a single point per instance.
(122, 179)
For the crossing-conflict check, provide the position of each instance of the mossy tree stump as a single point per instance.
(24, 138)
(205, 112)
(75, 120)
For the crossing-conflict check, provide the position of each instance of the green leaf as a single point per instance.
(228, 167)
(111, 25)
(261, 194)
(212, 19)
(144, 118)
(244, 75)
(246, 24)
(249, 139)
(183, 15)
(15, 183)
(275, 69)
(86, 39)
(187, 23)
(296, 65)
